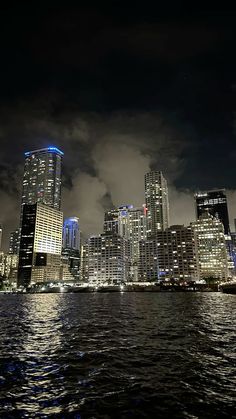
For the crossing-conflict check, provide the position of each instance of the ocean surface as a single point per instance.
(118, 355)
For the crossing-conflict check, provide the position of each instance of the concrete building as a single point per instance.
(10, 265)
(212, 252)
(157, 202)
(107, 259)
(0, 236)
(14, 244)
(2, 263)
(84, 263)
(40, 245)
(148, 264)
(132, 224)
(111, 221)
(177, 254)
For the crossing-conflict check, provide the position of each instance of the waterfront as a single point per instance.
(117, 355)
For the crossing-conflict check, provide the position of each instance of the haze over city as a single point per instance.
(121, 91)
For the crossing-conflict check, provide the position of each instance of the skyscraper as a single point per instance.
(71, 245)
(107, 259)
(0, 236)
(215, 203)
(14, 244)
(40, 245)
(211, 245)
(177, 254)
(148, 265)
(71, 234)
(42, 177)
(41, 219)
(111, 221)
(157, 203)
(132, 224)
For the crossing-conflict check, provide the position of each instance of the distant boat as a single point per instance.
(108, 288)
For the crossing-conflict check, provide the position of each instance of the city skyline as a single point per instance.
(176, 220)
(117, 210)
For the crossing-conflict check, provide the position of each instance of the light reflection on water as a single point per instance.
(117, 355)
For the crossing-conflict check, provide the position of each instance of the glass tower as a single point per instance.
(157, 202)
(40, 245)
(42, 177)
(71, 234)
(71, 245)
(215, 203)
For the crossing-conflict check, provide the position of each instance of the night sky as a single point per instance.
(121, 90)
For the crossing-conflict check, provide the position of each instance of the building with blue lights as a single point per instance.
(71, 245)
(71, 234)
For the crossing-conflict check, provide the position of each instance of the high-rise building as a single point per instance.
(40, 245)
(177, 254)
(14, 244)
(42, 177)
(215, 203)
(0, 236)
(107, 259)
(71, 234)
(132, 224)
(157, 203)
(111, 221)
(11, 265)
(212, 251)
(2, 264)
(84, 262)
(71, 245)
(148, 265)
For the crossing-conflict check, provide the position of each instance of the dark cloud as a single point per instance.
(121, 90)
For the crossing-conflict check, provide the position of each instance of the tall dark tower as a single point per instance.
(215, 203)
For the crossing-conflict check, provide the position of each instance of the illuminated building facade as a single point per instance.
(148, 265)
(71, 245)
(71, 234)
(212, 252)
(10, 266)
(42, 177)
(14, 244)
(0, 236)
(111, 221)
(215, 203)
(40, 245)
(177, 254)
(132, 224)
(157, 202)
(84, 263)
(107, 259)
(2, 265)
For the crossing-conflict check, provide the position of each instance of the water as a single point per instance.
(130, 355)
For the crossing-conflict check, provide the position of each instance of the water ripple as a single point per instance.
(117, 355)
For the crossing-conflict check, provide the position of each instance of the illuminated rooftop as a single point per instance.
(50, 149)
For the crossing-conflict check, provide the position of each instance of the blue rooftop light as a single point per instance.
(56, 150)
(52, 149)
